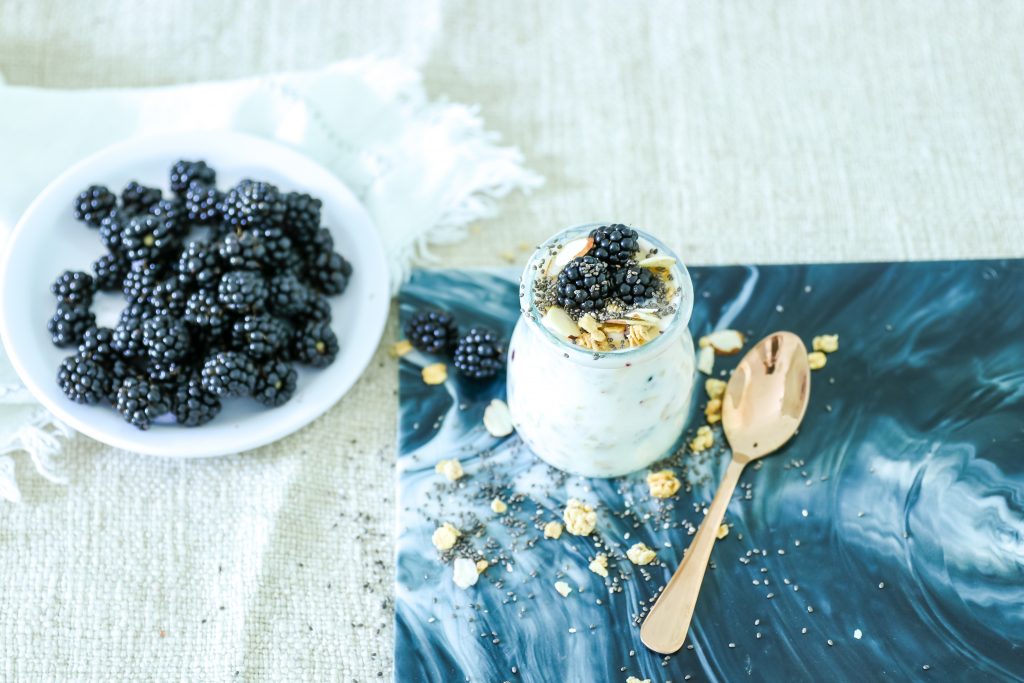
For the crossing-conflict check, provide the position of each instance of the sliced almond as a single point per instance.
(498, 419)
(568, 252)
(706, 360)
(657, 261)
(559, 322)
(400, 348)
(724, 342)
(436, 373)
(587, 246)
(589, 322)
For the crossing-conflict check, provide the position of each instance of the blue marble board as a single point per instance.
(885, 542)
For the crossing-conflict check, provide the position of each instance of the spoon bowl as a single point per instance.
(764, 403)
(766, 398)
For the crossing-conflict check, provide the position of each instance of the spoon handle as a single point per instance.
(665, 627)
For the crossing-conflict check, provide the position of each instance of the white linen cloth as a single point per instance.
(423, 169)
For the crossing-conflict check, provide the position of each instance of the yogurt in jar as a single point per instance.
(601, 391)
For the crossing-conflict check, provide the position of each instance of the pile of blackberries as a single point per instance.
(479, 354)
(224, 291)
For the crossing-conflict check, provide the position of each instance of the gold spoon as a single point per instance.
(763, 405)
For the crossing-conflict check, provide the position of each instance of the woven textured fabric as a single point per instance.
(738, 132)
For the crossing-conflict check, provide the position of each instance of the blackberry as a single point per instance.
(634, 285)
(184, 173)
(193, 405)
(148, 237)
(242, 290)
(204, 311)
(140, 281)
(69, 323)
(243, 251)
(330, 272)
(229, 373)
(141, 401)
(83, 379)
(319, 309)
(74, 287)
(199, 264)
(202, 204)
(136, 198)
(168, 297)
(287, 296)
(97, 343)
(319, 241)
(173, 211)
(432, 331)
(259, 336)
(111, 229)
(109, 271)
(165, 337)
(479, 354)
(302, 214)
(583, 285)
(315, 344)
(275, 384)
(93, 204)
(615, 244)
(278, 246)
(166, 372)
(118, 371)
(252, 202)
(127, 336)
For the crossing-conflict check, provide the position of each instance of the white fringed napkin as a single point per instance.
(423, 169)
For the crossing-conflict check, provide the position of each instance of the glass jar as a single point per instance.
(600, 414)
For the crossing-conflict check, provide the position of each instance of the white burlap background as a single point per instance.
(739, 131)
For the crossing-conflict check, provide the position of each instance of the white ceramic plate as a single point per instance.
(49, 240)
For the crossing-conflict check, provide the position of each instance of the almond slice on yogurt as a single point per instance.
(724, 342)
(569, 251)
(657, 261)
(559, 322)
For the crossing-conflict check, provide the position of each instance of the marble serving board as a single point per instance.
(885, 542)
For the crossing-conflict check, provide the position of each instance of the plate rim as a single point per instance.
(379, 278)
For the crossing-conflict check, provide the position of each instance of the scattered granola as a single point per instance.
(817, 360)
(724, 342)
(704, 440)
(826, 343)
(481, 566)
(715, 388)
(498, 505)
(634, 679)
(713, 411)
(451, 469)
(723, 531)
(640, 554)
(663, 484)
(563, 588)
(497, 418)
(552, 530)
(706, 360)
(400, 348)
(445, 537)
(435, 373)
(599, 565)
(464, 573)
(580, 518)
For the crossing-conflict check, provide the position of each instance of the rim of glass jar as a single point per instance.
(679, 322)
